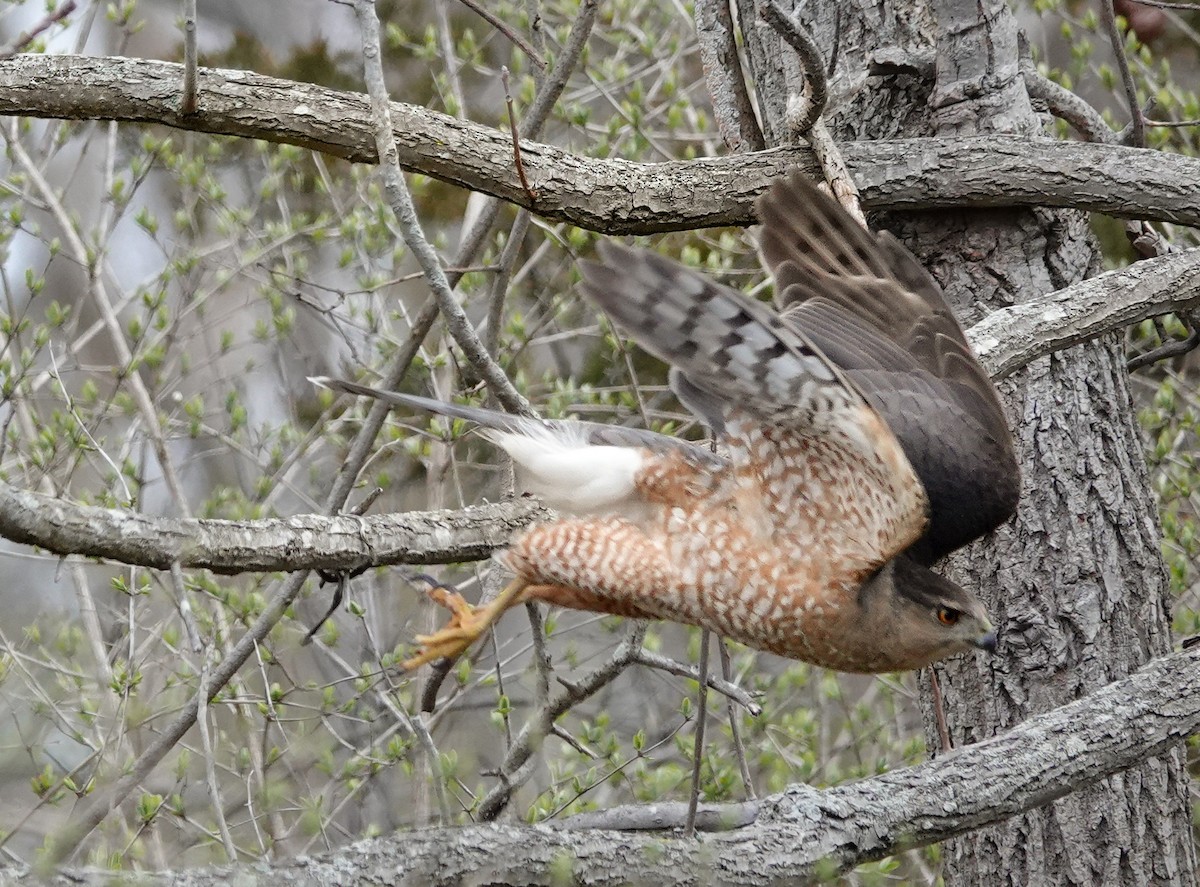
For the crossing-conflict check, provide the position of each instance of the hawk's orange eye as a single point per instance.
(947, 616)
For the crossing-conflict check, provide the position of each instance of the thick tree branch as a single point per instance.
(303, 542)
(608, 195)
(733, 108)
(1010, 338)
(799, 834)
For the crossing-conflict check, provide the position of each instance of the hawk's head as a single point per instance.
(917, 617)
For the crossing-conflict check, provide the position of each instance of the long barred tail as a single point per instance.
(574, 467)
(592, 433)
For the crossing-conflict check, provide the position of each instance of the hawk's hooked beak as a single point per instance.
(986, 641)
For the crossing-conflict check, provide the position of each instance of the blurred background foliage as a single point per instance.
(232, 270)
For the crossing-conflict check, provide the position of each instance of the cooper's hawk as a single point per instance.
(860, 441)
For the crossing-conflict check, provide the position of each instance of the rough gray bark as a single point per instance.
(613, 196)
(732, 107)
(1082, 584)
(1010, 338)
(1076, 580)
(791, 837)
(300, 542)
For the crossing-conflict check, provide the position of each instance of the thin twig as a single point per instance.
(500, 691)
(451, 63)
(735, 723)
(725, 688)
(513, 37)
(1109, 16)
(541, 653)
(405, 212)
(429, 752)
(27, 37)
(499, 287)
(1170, 349)
(516, 767)
(189, 105)
(1088, 122)
(1171, 123)
(689, 827)
(415, 725)
(561, 732)
(1168, 4)
(1129, 130)
(88, 259)
(543, 103)
(438, 672)
(82, 824)
(217, 805)
(804, 112)
(537, 34)
(640, 755)
(1060, 101)
(185, 608)
(516, 138)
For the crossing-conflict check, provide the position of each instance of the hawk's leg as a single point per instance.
(577, 599)
(467, 623)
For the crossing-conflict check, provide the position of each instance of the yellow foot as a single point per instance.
(466, 624)
(464, 627)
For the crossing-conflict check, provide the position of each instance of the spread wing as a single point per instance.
(788, 411)
(867, 304)
(728, 346)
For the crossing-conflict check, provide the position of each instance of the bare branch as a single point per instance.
(510, 33)
(26, 37)
(726, 688)
(610, 195)
(190, 100)
(1061, 102)
(517, 765)
(304, 542)
(1167, 350)
(689, 821)
(1108, 16)
(410, 225)
(1167, 4)
(516, 138)
(812, 65)
(732, 107)
(1008, 339)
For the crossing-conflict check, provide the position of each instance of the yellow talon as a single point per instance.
(467, 623)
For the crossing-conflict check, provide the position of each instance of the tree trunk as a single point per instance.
(1076, 581)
